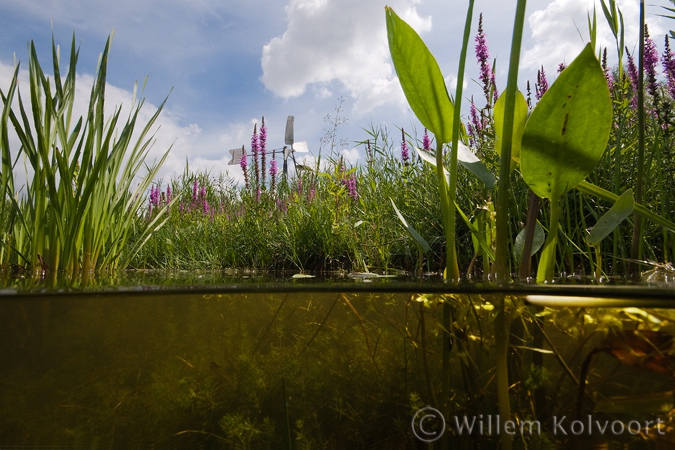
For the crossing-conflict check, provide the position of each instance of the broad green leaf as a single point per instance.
(568, 131)
(519, 119)
(621, 209)
(597, 191)
(474, 165)
(420, 77)
(467, 159)
(537, 242)
(411, 231)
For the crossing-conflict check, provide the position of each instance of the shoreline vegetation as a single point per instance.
(335, 216)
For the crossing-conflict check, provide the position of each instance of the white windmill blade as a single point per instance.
(300, 147)
(289, 130)
(237, 154)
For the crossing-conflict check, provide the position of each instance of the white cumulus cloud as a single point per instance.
(560, 31)
(343, 41)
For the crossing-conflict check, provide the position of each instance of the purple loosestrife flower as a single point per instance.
(205, 206)
(202, 192)
(633, 74)
(651, 60)
(255, 150)
(263, 144)
(152, 196)
(562, 66)
(168, 194)
(608, 72)
(669, 67)
(195, 188)
(476, 124)
(273, 172)
(244, 166)
(426, 142)
(405, 154)
(541, 86)
(351, 187)
(487, 76)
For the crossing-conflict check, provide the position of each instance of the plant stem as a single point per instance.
(637, 218)
(452, 265)
(525, 265)
(502, 205)
(546, 269)
(502, 377)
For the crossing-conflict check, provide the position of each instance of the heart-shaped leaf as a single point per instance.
(568, 131)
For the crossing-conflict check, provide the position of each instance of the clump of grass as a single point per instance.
(81, 202)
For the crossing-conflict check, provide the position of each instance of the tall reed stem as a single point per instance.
(502, 205)
(637, 218)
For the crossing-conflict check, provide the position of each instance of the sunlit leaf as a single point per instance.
(411, 231)
(474, 165)
(420, 77)
(567, 132)
(611, 219)
(519, 119)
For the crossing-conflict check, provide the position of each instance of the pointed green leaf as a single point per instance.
(621, 209)
(519, 119)
(537, 242)
(474, 165)
(467, 159)
(568, 131)
(411, 231)
(420, 77)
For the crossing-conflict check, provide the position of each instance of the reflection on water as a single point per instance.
(318, 369)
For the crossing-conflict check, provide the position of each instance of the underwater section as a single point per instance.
(333, 370)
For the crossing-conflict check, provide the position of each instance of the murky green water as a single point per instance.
(342, 365)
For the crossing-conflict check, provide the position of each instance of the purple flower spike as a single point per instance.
(244, 166)
(405, 154)
(351, 187)
(633, 74)
(651, 60)
(669, 67)
(263, 143)
(195, 188)
(426, 142)
(487, 76)
(273, 172)
(541, 86)
(608, 72)
(255, 150)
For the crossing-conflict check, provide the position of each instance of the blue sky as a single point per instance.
(228, 63)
